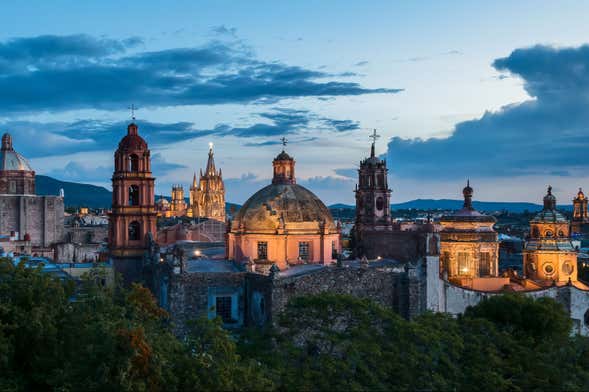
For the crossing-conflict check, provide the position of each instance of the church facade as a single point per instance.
(207, 196)
(469, 246)
(31, 220)
(283, 224)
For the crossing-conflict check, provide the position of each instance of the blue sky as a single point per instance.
(493, 92)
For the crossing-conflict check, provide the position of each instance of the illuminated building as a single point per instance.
(207, 196)
(283, 224)
(549, 255)
(133, 218)
(469, 247)
(579, 223)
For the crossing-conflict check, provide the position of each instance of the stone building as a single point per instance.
(23, 213)
(207, 197)
(375, 235)
(580, 221)
(178, 204)
(469, 247)
(549, 255)
(132, 221)
(283, 224)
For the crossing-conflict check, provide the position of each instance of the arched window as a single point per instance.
(134, 231)
(133, 195)
(133, 163)
(548, 234)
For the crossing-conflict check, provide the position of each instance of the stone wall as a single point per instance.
(188, 296)
(389, 287)
(75, 253)
(42, 217)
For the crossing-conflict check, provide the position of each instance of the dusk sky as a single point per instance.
(497, 92)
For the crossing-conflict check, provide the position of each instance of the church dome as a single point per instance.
(11, 160)
(549, 212)
(132, 141)
(289, 206)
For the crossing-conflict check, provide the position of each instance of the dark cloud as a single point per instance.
(547, 135)
(278, 142)
(60, 138)
(55, 73)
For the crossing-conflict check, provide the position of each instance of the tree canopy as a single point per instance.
(55, 335)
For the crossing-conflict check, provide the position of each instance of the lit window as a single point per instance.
(463, 267)
(133, 163)
(304, 251)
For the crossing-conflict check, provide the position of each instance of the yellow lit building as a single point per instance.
(469, 246)
(549, 255)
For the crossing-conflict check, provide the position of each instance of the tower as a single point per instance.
(580, 215)
(549, 255)
(373, 196)
(133, 215)
(207, 197)
(178, 205)
(16, 175)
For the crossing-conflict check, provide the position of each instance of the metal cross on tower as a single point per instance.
(133, 108)
(284, 141)
(374, 136)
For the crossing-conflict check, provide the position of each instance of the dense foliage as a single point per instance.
(57, 336)
(54, 336)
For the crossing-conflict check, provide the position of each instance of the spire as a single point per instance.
(194, 180)
(549, 200)
(468, 192)
(210, 171)
(7, 142)
(132, 129)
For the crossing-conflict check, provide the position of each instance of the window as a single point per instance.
(485, 264)
(133, 195)
(223, 309)
(548, 269)
(463, 267)
(445, 262)
(548, 233)
(134, 231)
(379, 203)
(304, 251)
(262, 250)
(133, 163)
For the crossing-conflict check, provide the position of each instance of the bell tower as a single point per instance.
(133, 215)
(580, 215)
(373, 195)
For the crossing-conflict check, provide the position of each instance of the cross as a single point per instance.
(374, 136)
(132, 108)
(284, 141)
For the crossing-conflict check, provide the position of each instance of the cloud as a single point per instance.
(546, 135)
(278, 142)
(61, 138)
(57, 73)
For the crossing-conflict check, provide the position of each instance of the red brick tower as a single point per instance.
(133, 215)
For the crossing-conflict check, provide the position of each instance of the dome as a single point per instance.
(467, 213)
(10, 159)
(288, 205)
(580, 194)
(283, 156)
(132, 141)
(549, 213)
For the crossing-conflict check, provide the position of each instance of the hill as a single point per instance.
(76, 195)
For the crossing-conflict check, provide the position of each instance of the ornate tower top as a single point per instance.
(549, 200)
(7, 142)
(374, 136)
(580, 195)
(468, 192)
(210, 170)
(284, 167)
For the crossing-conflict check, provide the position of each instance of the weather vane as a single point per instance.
(374, 136)
(133, 108)
(284, 141)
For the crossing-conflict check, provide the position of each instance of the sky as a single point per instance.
(495, 92)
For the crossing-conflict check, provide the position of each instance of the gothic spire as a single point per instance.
(210, 171)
